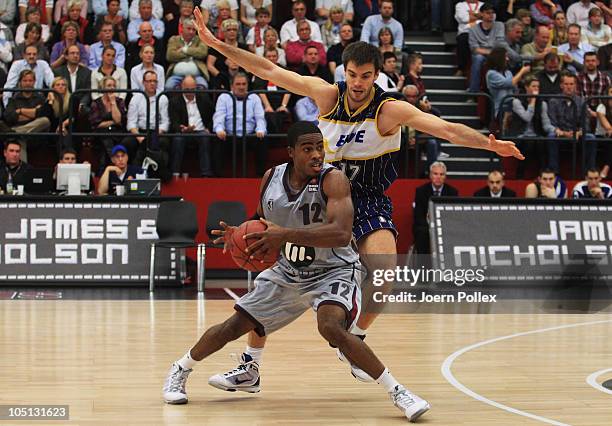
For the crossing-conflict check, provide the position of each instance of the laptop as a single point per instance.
(143, 187)
(38, 181)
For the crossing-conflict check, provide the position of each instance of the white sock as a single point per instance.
(255, 353)
(358, 331)
(186, 362)
(387, 381)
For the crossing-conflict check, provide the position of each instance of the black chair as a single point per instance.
(231, 212)
(177, 227)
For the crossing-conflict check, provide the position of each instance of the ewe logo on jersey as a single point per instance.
(299, 256)
(356, 137)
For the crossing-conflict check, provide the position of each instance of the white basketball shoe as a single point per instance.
(174, 387)
(244, 378)
(412, 405)
(357, 372)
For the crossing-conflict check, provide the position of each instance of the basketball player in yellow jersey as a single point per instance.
(361, 130)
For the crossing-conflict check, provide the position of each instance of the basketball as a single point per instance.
(242, 259)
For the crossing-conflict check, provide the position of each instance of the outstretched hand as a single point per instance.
(205, 35)
(504, 148)
(268, 241)
(225, 233)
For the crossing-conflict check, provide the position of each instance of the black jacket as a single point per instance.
(421, 201)
(18, 174)
(83, 81)
(485, 192)
(178, 111)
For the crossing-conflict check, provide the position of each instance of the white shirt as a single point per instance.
(158, 9)
(73, 78)
(137, 112)
(577, 13)
(289, 31)
(120, 77)
(462, 15)
(137, 74)
(498, 195)
(193, 113)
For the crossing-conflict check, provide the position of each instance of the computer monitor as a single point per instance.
(73, 178)
(38, 181)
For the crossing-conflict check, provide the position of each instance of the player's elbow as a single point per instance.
(344, 237)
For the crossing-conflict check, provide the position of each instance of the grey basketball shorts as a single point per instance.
(280, 298)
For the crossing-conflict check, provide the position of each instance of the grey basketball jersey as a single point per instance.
(306, 209)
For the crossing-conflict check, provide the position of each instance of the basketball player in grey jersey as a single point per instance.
(325, 277)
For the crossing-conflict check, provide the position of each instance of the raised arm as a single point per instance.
(397, 113)
(322, 92)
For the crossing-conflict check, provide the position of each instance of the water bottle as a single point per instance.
(9, 184)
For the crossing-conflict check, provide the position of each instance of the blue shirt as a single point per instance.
(374, 23)
(500, 85)
(307, 110)
(95, 55)
(134, 25)
(44, 76)
(99, 7)
(224, 110)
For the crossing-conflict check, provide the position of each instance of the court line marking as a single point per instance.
(592, 380)
(448, 375)
(231, 293)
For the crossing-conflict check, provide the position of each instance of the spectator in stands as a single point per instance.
(605, 7)
(466, 15)
(496, 187)
(604, 54)
(146, 39)
(250, 15)
(109, 69)
(255, 123)
(147, 57)
(69, 38)
(217, 11)
(223, 80)
(7, 12)
(156, 11)
(137, 119)
(44, 7)
(32, 38)
(597, 33)
(174, 25)
(74, 15)
(6, 58)
(296, 50)
(506, 9)
(61, 9)
(363, 9)
(69, 156)
(550, 76)
(542, 11)
(257, 32)
(216, 63)
(115, 14)
(191, 113)
(108, 115)
(564, 116)
(389, 79)
(41, 69)
(186, 55)
(558, 35)
(271, 41)
(514, 31)
(117, 173)
(524, 16)
(528, 114)
(374, 23)
(307, 110)
(106, 39)
(573, 51)
(547, 185)
(32, 15)
(145, 8)
(591, 81)
(330, 29)
(289, 30)
(592, 187)
(59, 106)
(323, 10)
(538, 48)
(434, 188)
(578, 13)
(604, 124)
(77, 76)
(386, 43)
(501, 82)
(25, 112)
(275, 104)
(312, 66)
(13, 165)
(482, 37)
(334, 54)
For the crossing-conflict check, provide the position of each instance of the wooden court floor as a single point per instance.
(107, 360)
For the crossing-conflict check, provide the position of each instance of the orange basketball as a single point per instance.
(239, 244)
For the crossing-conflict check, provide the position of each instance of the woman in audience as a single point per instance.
(109, 69)
(558, 35)
(113, 16)
(174, 25)
(108, 115)
(33, 33)
(61, 9)
(69, 38)
(216, 62)
(385, 44)
(32, 15)
(74, 15)
(59, 104)
(500, 81)
(147, 55)
(597, 33)
(330, 29)
(271, 41)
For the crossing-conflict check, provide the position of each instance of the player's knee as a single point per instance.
(235, 327)
(332, 331)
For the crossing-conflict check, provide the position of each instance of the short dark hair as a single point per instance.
(550, 56)
(389, 55)
(547, 171)
(300, 128)
(575, 26)
(67, 151)
(262, 11)
(486, 7)
(497, 59)
(362, 53)
(11, 142)
(592, 170)
(567, 74)
(590, 53)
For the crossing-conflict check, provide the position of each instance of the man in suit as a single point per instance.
(76, 75)
(191, 113)
(434, 188)
(495, 187)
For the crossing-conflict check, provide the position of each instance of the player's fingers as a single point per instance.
(217, 232)
(219, 240)
(256, 235)
(254, 248)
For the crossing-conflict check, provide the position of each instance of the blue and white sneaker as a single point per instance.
(410, 404)
(174, 387)
(244, 378)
